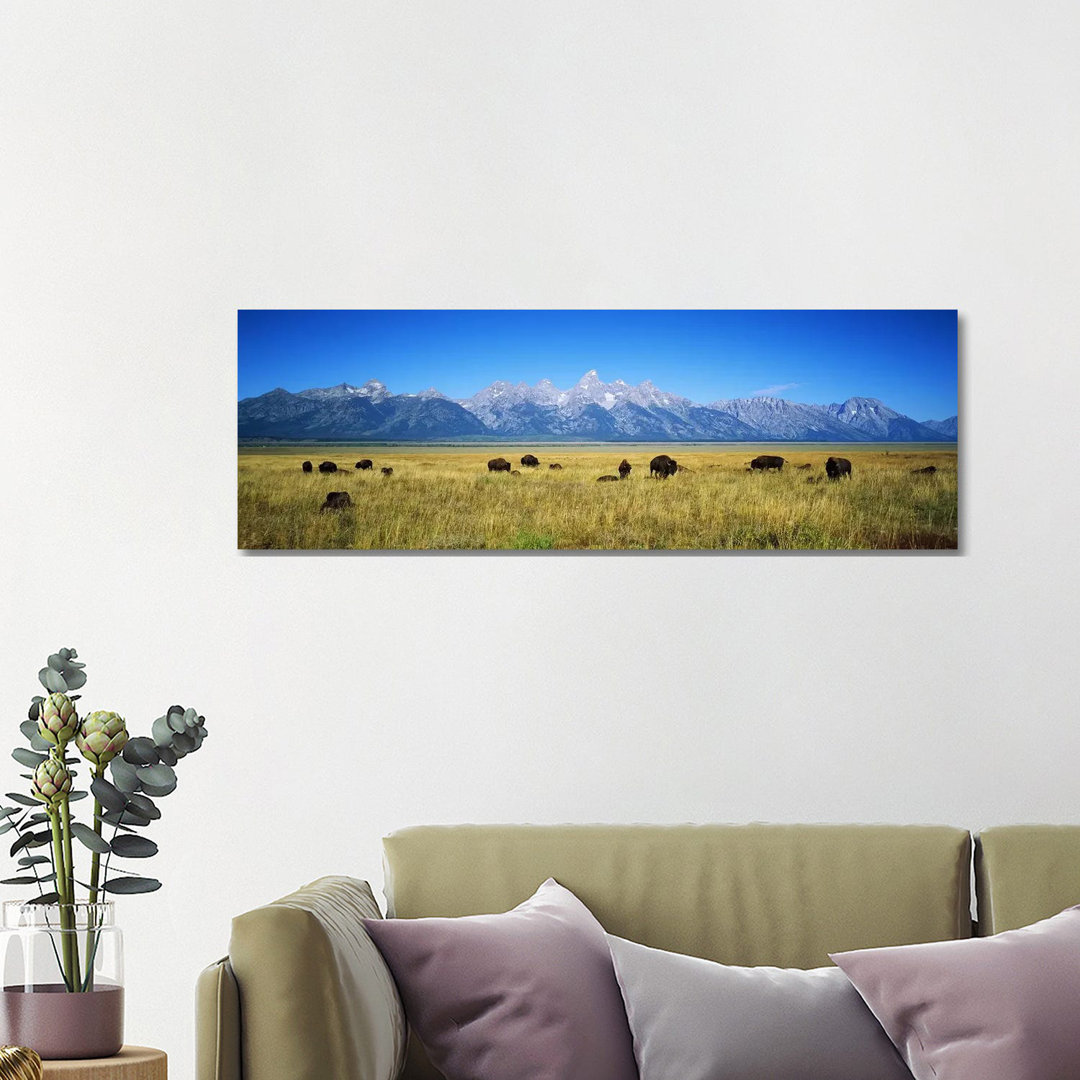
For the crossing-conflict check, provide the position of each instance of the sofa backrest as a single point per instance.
(785, 895)
(1025, 873)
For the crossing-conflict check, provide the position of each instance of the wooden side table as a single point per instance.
(132, 1063)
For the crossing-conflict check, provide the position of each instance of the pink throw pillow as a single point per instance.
(529, 994)
(1005, 1007)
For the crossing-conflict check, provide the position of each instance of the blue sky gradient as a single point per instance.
(907, 359)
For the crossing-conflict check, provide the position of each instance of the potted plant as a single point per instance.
(62, 953)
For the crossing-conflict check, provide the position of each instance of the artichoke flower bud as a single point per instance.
(52, 783)
(101, 736)
(57, 719)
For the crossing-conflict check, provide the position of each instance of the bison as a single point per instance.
(624, 469)
(529, 461)
(836, 467)
(498, 464)
(364, 463)
(663, 466)
(764, 462)
(327, 466)
(306, 466)
(600, 478)
(554, 465)
(515, 472)
(926, 470)
(336, 500)
(387, 471)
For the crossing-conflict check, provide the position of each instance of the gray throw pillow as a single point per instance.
(694, 1019)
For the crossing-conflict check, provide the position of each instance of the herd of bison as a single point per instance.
(660, 468)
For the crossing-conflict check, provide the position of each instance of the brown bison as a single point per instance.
(387, 471)
(764, 462)
(364, 463)
(306, 466)
(836, 467)
(624, 469)
(336, 500)
(927, 470)
(529, 461)
(498, 464)
(327, 466)
(663, 466)
(515, 472)
(554, 465)
(604, 478)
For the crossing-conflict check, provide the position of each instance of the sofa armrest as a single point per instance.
(315, 999)
(217, 1024)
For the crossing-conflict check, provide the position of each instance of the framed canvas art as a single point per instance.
(597, 430)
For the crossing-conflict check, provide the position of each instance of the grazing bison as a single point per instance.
(927, 470)
(498, 464)
(624, 469)
(529, 461)
(764, 462)
(663, 466)
(554, 465)
(364, 463)
(806, 466)
(836, 467)
(599, 478)
(327, 466)
(387, 471)
(336, 500)
(306, 466)
(515, 472)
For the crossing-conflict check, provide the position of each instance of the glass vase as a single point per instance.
(63, 989)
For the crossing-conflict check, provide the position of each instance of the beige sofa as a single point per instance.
(303, 996)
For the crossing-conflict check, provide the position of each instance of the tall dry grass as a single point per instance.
(445, 498)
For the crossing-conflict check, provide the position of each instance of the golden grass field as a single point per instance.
(444, 498)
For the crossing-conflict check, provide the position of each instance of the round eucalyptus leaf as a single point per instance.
(183, 744)
(161, 731)
(106, 794)
(134, 847)
(141, 751)
(158, 792)
(176, 720)
(29, 727)
(157, 776)
(90, 839)
(129, 885)
(124, 776)
(32, 714)
(53, 681)
(28, 757)
(167, 755)
(144, 806)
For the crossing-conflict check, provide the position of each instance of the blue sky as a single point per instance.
(908, 359)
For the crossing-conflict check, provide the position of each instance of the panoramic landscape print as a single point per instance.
(597, 430)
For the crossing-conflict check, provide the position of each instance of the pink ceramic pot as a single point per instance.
(57, 1024)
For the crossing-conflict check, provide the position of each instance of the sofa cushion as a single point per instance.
(306, 964)
(1003, 1006)
(529, 994)
(1025, 873)
(694, 1019)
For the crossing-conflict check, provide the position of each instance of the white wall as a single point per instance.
(165, 164)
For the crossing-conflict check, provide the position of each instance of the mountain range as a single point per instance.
(590, 410)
